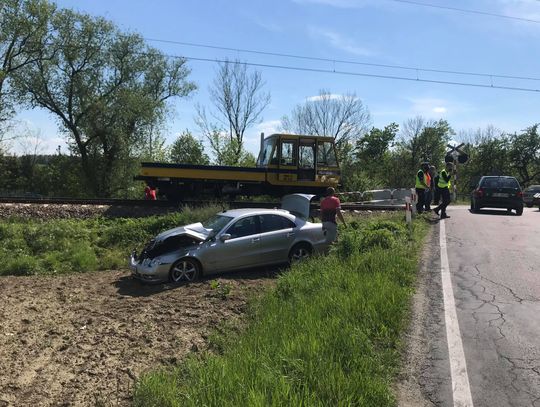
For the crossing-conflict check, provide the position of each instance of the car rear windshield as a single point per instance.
(500, 183)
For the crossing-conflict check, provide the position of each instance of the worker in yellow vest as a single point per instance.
(444, 189)
(421, 186)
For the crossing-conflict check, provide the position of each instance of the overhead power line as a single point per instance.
(463, 10)
(403, 78)
(342, 61)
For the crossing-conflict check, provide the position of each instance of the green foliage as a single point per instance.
(347, 245)
(188, 150)
(121, 86)
(524, 154)
(328, 335)
(377, 238)
(228, 151)
(63, 246)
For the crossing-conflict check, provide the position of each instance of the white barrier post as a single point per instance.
(408, 210)
(414, 200)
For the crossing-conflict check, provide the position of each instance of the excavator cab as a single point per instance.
(299, 158)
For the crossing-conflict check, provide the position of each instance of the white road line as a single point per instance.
(461, 392)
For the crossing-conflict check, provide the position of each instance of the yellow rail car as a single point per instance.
(286, 164)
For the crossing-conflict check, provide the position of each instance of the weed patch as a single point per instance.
(66, 245)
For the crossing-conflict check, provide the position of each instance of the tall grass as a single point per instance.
(64, 245)
(327, 335)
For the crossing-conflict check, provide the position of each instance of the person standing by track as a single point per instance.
(444, 189)
(330, 208)
(421, 186)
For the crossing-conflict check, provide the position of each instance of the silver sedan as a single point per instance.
(232, 240)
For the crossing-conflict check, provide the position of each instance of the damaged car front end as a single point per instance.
(154, 262)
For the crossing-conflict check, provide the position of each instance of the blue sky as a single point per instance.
(373, 31)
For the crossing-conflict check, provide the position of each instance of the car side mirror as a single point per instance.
(224, 237)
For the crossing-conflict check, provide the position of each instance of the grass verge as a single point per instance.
(327, 335)
(63, 245)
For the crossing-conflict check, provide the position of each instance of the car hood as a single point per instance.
(297, 204)
(195, 230)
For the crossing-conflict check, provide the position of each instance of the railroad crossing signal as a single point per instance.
(455, 154)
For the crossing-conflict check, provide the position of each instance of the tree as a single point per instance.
(107, 89)
(239, 100)
(372, 148)
(345, 118)
(226, 151)
(365, 166)
(186, 149)
(524, 154)
(25, 27)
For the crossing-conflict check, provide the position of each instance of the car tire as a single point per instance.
(519, 211)
(299, 252)
(185, 270)
(529, 205)
(474, 207)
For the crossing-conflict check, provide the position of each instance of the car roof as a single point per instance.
(498, 176)
(254, 211)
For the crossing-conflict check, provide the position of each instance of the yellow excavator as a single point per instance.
(287, 163)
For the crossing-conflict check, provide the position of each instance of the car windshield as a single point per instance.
(534, 188)
(216, 222)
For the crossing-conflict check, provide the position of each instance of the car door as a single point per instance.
(277, 236)
(241, 250)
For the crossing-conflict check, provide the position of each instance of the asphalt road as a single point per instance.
(494, 270)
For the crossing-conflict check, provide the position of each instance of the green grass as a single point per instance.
(63, 245)
(327, 335)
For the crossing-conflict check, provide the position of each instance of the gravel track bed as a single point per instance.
(72, 211)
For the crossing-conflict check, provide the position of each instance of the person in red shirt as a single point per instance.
(149, 193)
(330, 208)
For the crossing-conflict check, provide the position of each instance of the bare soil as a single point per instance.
(84, 339)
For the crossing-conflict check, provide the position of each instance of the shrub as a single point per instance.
(21, 266)
(377, 238)
(81, 257)
(385, 224)
(347, 244)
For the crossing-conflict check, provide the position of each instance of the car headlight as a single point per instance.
(155, 262)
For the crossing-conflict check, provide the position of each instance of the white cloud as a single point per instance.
(340, 42)
(326, 96)
(430, 106)
(268, 127)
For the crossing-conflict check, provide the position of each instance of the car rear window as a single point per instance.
(508, 183)
(500, 183)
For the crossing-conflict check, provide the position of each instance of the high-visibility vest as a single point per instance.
(442, 183)
(420, 175)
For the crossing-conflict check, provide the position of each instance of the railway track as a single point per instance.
(195, 203)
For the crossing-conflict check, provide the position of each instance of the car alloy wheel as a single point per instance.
(299, 253)
(184, 270)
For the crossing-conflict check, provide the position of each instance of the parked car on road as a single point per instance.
(531, 195)
(497, 192)
(232, 240)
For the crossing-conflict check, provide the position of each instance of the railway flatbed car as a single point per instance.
(286, 164)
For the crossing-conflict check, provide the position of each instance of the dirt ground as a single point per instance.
(84, 339)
